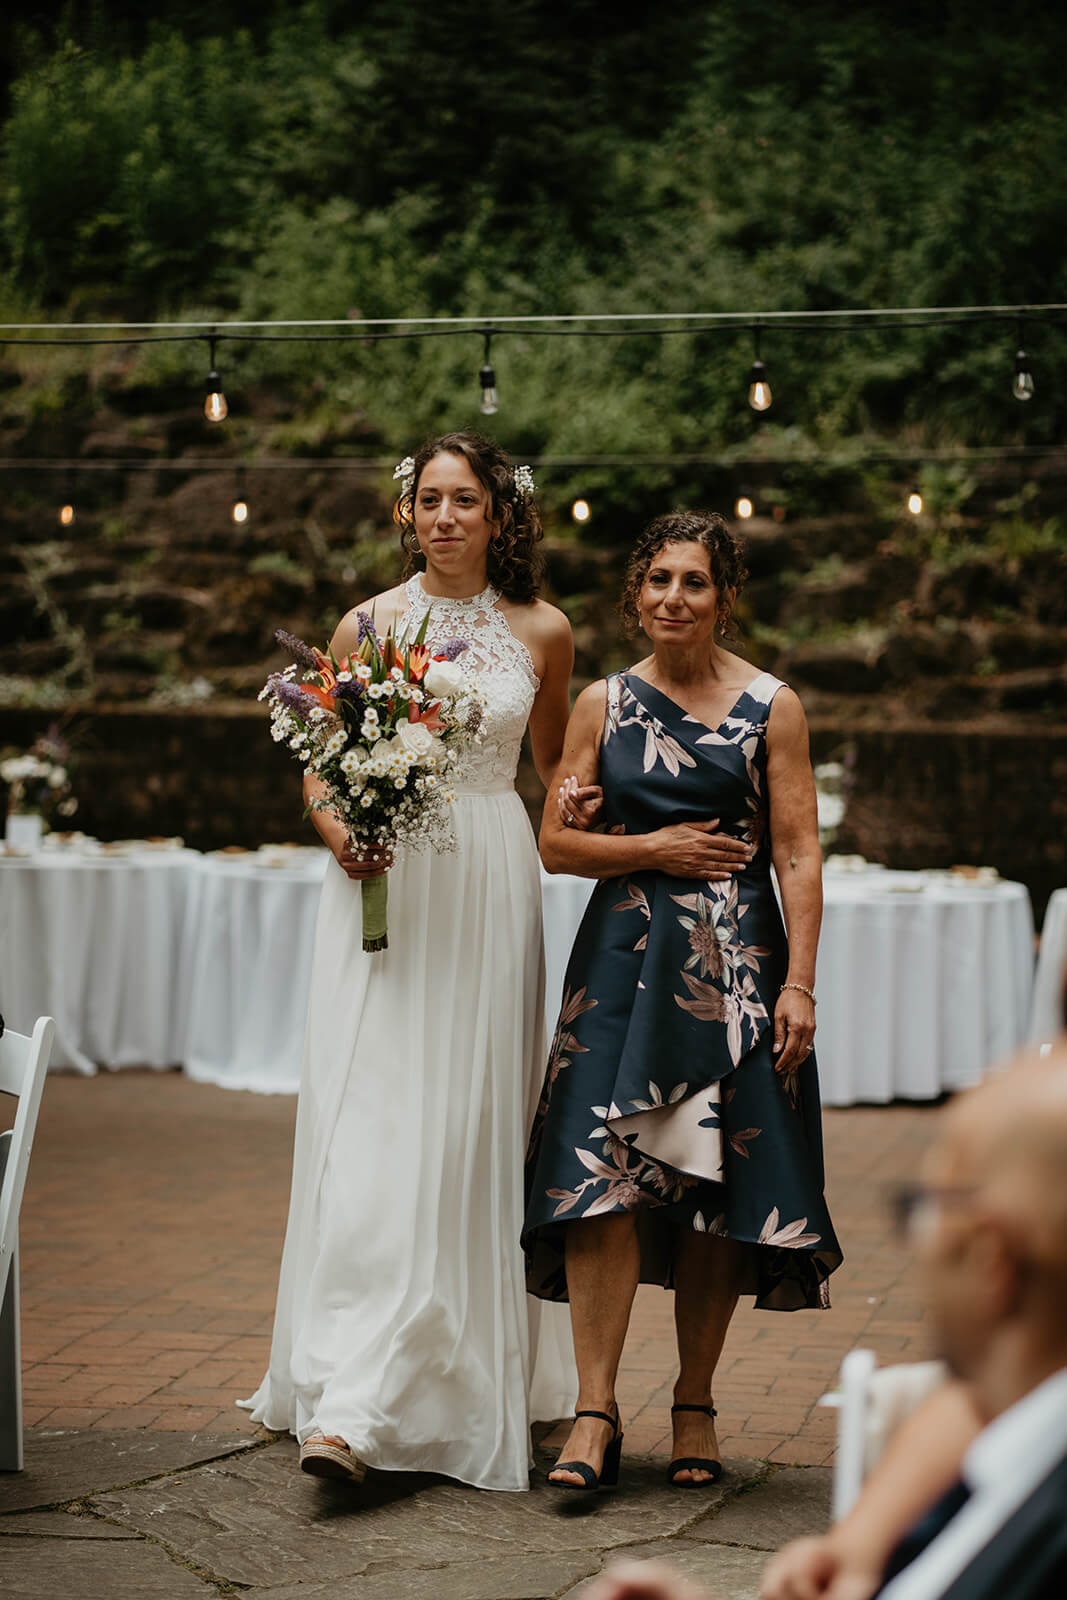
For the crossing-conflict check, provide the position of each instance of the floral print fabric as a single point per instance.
(661, 1095)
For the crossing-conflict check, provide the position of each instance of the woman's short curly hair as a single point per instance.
(726, 555)
(513, 561)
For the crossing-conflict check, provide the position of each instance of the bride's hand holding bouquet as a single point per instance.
(379, 733)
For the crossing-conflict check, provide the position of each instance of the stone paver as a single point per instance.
(784, 1505)
(253, 1520)
(249, 1521)
(722, 1568)
(48, 1570)
(66, 1464)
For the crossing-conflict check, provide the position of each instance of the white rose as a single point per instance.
(415, 738)
(443, 678)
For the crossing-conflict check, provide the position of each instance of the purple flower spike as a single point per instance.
(367, 629)
(352, 693)
(454, 648)
(297, 648)
(290, 694)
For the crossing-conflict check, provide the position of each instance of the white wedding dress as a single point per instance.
(403, 1322)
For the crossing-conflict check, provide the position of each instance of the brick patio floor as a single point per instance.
(152, 1230)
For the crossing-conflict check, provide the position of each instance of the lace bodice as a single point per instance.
(504, 669)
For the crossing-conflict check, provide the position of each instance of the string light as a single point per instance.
(759, 390)
(240, 502)
(580, 511)
(487, 379)
(857, 319)
(743, 508)
(215, 407)
(915, 503)
(66, 515)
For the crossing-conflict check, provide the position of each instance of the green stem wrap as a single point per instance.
(375, 896)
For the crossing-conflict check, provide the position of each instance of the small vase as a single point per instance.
(24, 830)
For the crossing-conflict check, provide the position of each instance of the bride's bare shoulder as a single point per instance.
(386, 609)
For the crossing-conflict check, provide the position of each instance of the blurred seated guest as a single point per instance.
(990, 1229)
(678, 1138)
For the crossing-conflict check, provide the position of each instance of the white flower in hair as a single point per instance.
(524, 482)
(405, 472)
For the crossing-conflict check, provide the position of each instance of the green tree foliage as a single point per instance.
(445, 157)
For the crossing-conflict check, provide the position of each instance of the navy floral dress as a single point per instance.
(661, 1095)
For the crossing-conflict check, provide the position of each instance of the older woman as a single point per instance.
(678, 1136)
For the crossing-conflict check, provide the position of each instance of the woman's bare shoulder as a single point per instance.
(385, 609)
(591, 704)
(537, 620)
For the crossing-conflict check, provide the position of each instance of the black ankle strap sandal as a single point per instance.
(609, 1472)
(694, 1463)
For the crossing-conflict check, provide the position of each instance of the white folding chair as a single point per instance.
(23, 1064)
(871, 1404)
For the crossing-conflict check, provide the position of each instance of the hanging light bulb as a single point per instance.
(743, 508)
(240, 504)
(215, 407)
(915, 503)
(580, 511)
(759, 390)
(66, 515)
(1022, 386)
(487, 381)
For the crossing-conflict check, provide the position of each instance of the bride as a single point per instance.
(403, 1336)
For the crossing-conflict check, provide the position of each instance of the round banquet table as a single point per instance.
(248, 971)
(95, 940)
(923, 979)
(1046, 1015)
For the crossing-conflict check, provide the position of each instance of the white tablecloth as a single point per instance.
(174, 958)
(248, 971)
(1046, 1015)
(96, 941)
(923, 980)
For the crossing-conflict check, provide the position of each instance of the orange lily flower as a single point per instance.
(428, 715)
(418, 661)
(323, 696)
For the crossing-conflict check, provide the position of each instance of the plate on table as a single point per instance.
(287, 855)
(901, 883)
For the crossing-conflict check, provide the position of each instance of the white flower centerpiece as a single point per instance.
(38, 789)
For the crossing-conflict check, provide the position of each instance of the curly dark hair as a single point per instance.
(513, 562)
(726, 555)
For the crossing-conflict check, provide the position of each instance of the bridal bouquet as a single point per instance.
(383, 729)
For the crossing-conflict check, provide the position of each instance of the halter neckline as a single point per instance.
(476, 602)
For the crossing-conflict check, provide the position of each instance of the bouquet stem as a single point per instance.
(375, 897)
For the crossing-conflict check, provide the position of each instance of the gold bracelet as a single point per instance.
(803, 989)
